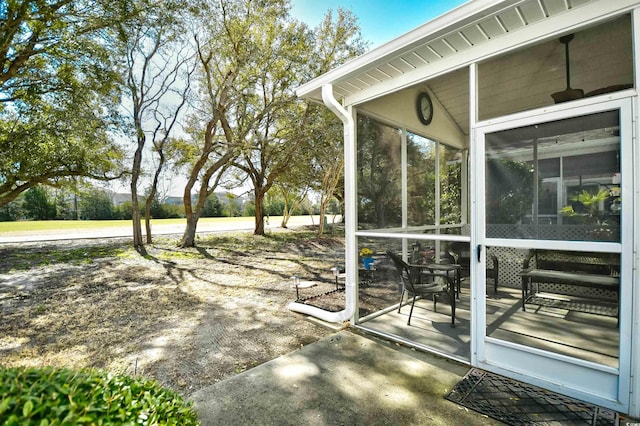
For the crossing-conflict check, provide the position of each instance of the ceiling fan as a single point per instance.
(567, 94)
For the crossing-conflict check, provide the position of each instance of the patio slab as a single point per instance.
(344, 379)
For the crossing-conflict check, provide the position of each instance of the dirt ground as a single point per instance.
(185, 317)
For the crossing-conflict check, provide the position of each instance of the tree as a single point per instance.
(212, 207)
(451, 191)
(124, 211)
(252, 57)
(58, 88)
(327, 146)
(379, 180)
(269, 149)
(509, 192)
(37, 205)
(223, 60)
(289, 55)
(293, 195)
(54, 148)
(46, 45)
(12, 211)
(158, 71)
(234, 207)
(62, 204)
(96, 204)
(274, 204)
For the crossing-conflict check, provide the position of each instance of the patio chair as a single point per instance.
(461, 255)
(411, 277)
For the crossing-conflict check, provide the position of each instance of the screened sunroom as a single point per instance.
(493, 151)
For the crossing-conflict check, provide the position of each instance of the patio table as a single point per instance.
(444, 269)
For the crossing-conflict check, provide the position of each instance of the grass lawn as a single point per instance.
(58, 225)
(45, 225)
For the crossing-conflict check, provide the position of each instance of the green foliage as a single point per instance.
(234, 205)
(52, 396)
(50, 48)
(421, 180)
(334, 207)
(379, 169)
(54, 146)
(158, 210)
(59, 90)
(451, 192)
(509, 191)
(173, 211)
(37, 206)
(253, 56)
(96, 205)
(274, 204)
(212, 207)
(585, 206)
(11, 211)
(64, 203)
(124, 211)
(249, 209)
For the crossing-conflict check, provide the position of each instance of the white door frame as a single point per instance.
(602, 385)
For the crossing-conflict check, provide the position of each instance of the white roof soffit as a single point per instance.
(471, 32)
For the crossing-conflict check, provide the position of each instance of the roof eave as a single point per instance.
(442, 24)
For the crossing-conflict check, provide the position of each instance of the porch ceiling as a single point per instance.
(436, 55)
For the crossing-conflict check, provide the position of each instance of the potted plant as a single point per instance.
(586, 209)
(367, 257)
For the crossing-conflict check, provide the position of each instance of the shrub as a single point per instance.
(55, 396)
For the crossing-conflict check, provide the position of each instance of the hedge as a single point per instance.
(56, 396)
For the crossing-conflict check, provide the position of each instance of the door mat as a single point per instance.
(517, 403)
(589, 307)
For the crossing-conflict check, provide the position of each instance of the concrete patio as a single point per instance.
(344, 379)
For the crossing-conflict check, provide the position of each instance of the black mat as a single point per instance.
(517, 403)
(590, 307)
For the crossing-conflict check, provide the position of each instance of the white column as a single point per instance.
(634, 403)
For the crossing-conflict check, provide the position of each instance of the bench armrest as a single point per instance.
(527, 259)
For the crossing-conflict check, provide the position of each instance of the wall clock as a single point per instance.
(424, 108)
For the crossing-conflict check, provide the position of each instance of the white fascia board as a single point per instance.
(443, 24)
(559, 24)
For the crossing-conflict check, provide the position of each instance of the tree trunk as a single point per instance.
(152, 194)
(291, 203)
(147, 214)
(189, 237)
(135, 214)
(342, 209)
(321, 224)
(259, 229)
(147, 225)
(193, 214)
(285, 219)
(135, 175)
(286, 211)
(137, 223)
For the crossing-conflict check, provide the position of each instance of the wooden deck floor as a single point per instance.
(582, 335)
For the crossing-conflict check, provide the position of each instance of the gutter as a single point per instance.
(350, 302)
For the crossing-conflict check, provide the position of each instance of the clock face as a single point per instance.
(424, 108)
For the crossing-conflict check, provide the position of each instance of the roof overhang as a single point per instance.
(473, 32)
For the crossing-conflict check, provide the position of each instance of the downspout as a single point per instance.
(350, 302)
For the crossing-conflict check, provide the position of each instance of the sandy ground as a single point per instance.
(185, 317)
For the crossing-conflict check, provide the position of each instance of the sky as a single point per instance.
(380, 20)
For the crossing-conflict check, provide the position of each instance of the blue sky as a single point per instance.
(380, 20)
